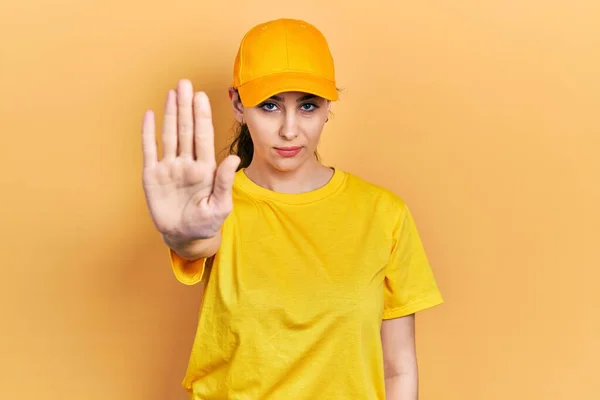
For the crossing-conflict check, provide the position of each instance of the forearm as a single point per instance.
(400, 358)
(402, 387)
(193, 250)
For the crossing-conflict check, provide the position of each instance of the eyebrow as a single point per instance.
(303, 98)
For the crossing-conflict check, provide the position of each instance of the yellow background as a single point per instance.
(483, 115)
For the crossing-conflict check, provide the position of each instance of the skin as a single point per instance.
(189, 195)
(400, 358)
(287, 119)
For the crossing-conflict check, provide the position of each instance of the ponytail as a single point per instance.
(242, 146)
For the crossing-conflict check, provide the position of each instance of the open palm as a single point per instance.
(188, 197)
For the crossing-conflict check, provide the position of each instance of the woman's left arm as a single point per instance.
(399, 358)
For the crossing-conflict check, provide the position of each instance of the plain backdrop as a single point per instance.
(482, 115)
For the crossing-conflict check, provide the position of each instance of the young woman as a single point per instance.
(311, 276)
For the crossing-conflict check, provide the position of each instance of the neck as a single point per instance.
(307, 177)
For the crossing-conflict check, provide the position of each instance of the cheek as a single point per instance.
(265, 129)
(262, 132)
(314, 130)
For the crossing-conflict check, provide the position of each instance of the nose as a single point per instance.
(289, 126)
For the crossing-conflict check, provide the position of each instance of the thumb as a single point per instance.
(224, 177)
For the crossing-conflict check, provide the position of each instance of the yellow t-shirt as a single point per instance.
(296, 294)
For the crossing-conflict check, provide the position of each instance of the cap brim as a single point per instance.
(258, 90)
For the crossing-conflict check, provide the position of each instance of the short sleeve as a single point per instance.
(188, 272)
(409, 285)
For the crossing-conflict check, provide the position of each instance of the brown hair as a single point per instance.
(242, 145)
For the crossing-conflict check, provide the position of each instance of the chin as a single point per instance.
(287, 164)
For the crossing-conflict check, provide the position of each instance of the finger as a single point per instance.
(149, 140)
(169, 134)
(185, 118)
(224, 177)
(204, 136)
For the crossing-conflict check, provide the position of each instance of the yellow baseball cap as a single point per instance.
(283, 55)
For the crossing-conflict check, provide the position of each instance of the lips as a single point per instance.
(288, 151)
(291, 148)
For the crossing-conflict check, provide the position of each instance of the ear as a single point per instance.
(236, 104)
(328, 109)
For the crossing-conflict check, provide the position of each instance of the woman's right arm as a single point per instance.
(188, 196)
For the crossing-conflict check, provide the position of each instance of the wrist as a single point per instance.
(193, 248)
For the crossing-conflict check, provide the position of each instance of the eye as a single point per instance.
(309, 107)
(268, 106)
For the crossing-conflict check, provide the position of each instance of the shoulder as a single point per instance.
(366, 187)
(364, 190)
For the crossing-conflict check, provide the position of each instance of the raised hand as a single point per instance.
(188, 197)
